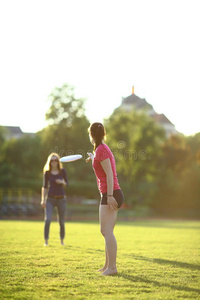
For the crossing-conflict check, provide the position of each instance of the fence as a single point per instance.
(19, 202)
(24, 202)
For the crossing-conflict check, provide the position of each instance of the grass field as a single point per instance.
(156, 260)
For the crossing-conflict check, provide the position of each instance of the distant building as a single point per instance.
(163, 121)
(15, 132)
(140, 104)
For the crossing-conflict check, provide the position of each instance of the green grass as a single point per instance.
(156, 260)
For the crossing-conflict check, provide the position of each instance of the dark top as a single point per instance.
(49, 180)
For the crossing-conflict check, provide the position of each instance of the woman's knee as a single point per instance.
(102, 230)
(62, 223)
(47, 220)
(106, 231)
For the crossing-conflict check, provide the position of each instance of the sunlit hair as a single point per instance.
(47, 166)
(97, 133)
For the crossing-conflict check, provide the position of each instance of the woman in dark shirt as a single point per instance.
(53, 194)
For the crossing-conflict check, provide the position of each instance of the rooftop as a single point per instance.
(136, 101)
(15, 132)
(161, 118)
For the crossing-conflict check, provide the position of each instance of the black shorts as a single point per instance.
(117, 194)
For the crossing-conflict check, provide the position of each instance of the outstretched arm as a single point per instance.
(90, 157)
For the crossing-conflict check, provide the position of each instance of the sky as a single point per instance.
(102, 48)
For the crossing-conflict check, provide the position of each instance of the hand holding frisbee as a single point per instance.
(70, 158)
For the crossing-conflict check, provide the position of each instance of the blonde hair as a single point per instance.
(47, 166)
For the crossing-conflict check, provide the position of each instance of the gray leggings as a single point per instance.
(61, 205)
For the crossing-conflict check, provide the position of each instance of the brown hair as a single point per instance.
(98, 133)
(47, 166)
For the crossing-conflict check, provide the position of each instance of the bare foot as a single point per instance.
(102, 270)
(110, 271)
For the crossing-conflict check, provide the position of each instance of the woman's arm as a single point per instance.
(44, 190)
(44, 196)
(106, 165)
(64, 180)
(61, 181)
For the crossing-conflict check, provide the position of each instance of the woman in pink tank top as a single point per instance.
(103, 163)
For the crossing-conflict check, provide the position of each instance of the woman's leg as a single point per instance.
(61, 205)
(48, 216)
(106, 261)
(107, 223)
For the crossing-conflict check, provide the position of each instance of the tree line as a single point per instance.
(156, 172)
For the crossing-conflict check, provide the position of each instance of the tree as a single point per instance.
(2, 135)
(67, 131)
(20, 162)
(136, 142)
(65, 107)
(179, 192)
(193, 143)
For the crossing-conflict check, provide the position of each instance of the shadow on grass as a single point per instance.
(156, 283)
(168, 262)
(89, 250)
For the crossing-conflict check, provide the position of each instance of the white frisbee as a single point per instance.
(69, 158)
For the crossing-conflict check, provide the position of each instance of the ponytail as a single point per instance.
(98, 133)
